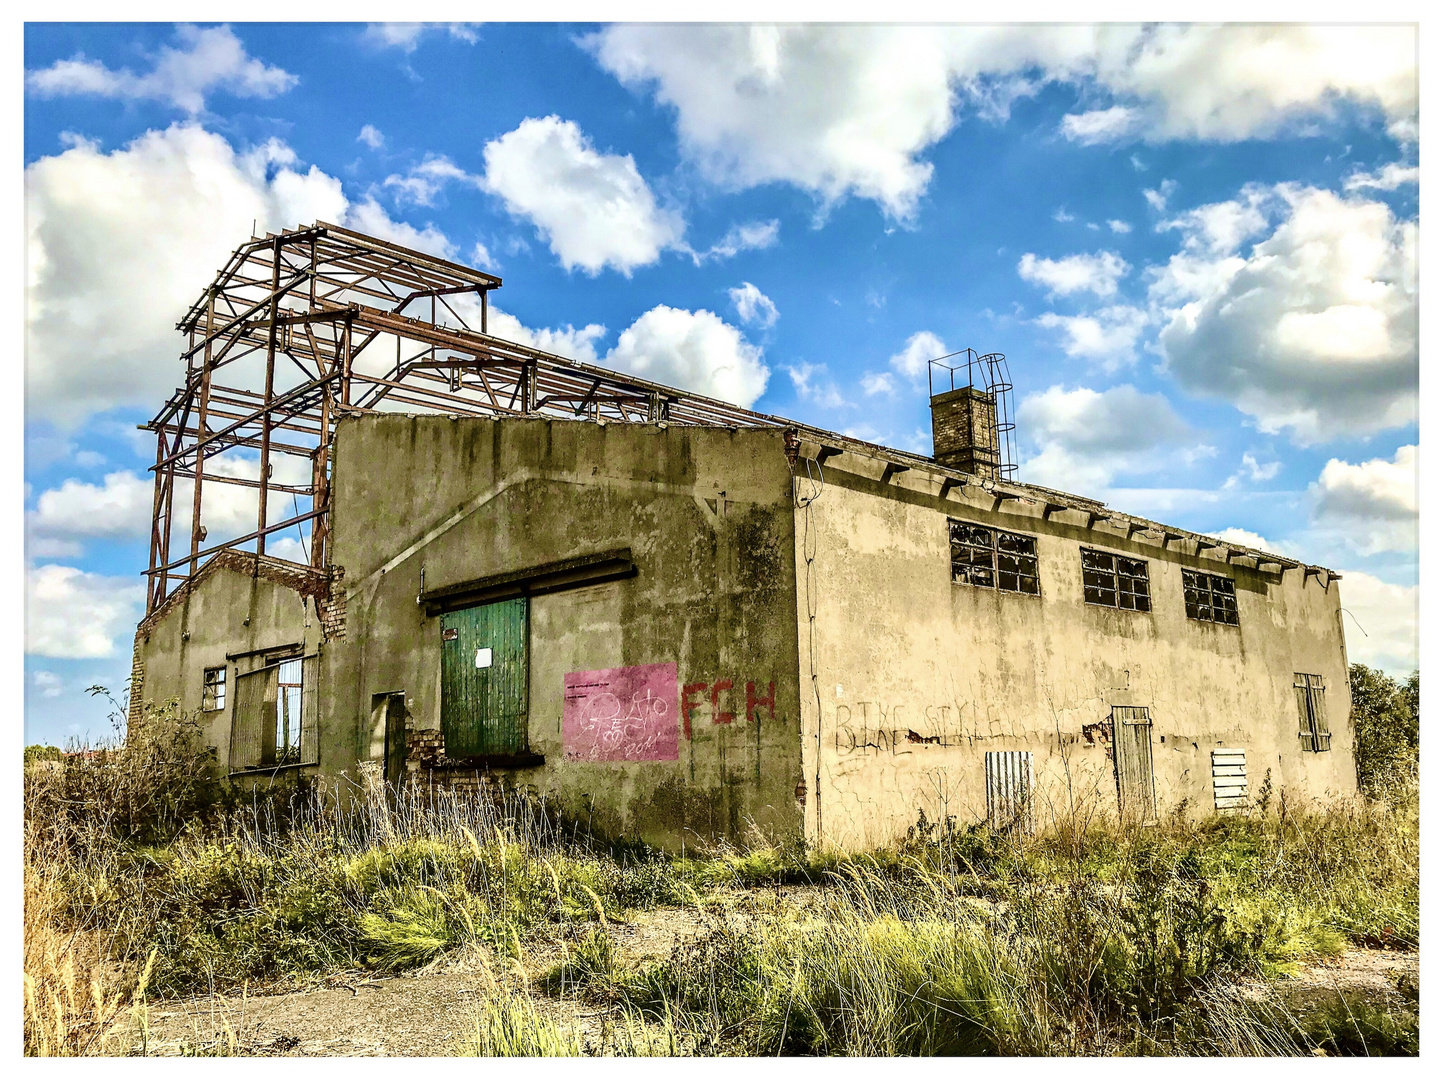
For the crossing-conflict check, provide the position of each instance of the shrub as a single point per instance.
(1386, 715)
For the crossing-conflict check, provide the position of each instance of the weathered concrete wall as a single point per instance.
(918, 677)
(707, 516)
(227, 612)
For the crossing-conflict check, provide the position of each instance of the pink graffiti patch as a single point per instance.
(621, 714)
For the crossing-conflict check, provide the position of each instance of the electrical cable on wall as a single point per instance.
(811, 600)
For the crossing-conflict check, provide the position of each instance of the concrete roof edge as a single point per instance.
(1036, 493)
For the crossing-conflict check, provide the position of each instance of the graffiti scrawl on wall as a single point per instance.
(621, 714)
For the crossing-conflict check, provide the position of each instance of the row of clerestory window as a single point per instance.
(989, 558)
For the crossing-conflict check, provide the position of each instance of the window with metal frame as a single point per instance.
(991, 559)
(1314, 727)
(275, 716)
(212, 694)
(1210, 598)
(1115, 581)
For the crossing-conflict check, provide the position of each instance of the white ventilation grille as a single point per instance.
(1232, 788)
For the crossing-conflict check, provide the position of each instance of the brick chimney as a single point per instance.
(964, 426)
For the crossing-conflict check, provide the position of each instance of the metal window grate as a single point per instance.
(991, 559)
(1009, 790)
(1115, 581)
(1210, 598)
(1227, 775)
(1314, 726)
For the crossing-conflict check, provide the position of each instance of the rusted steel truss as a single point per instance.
(307, 326)
(302, 328)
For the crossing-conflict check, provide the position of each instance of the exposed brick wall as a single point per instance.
(963, 423)
(333, 607)
(137, 686)
(427, 766)
(305, 580)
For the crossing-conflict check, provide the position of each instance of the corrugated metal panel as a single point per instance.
(1227, 772)
(485, 679)
(1134, 766)
(252, 721)
(1009, 786)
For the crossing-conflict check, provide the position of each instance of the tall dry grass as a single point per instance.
(1086, 939)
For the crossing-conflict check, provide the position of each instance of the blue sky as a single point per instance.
(1196, 246)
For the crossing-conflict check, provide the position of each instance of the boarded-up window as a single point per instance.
(1210, 598)
(485, 679)
(991, 559)
(275, 716)
(212, 695)
(1009, 787)
(1314, 727)
(1227, 772)
(1115, 581)
(1134, 765)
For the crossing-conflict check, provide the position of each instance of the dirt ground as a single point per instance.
(422, 1014)
(433, 1013)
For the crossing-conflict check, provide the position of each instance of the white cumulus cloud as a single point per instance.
(1099, 273)
(920, 348)
(752, 305)
(749, 236)
(1102, 125)
(120, 507)
(371, 136)
(843, 111)
(119, 243)
(692, 350)
(406, 35)
(566, 341)
(813, 384)
(1383, 627)
(423, 182)
(71, 614)
(1314, 329)
(1390, 177)
(1081, 438)
(206, 61)
(1375, 503)
(595, 210)
(1107, 335)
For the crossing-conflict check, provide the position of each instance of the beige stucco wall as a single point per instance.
(901, 650)
(227, 612)
(706, 515)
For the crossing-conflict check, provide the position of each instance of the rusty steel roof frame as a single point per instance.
(314, 299)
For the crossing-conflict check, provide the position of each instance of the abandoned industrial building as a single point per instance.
(677, 619)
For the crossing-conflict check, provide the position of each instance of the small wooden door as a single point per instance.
(1134, 766)
(394, 740)
(485, 679)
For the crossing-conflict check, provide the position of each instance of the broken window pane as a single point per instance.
(1114, 581)
(212, 695)
(1210, 598)
(287, 713)
(991, 559)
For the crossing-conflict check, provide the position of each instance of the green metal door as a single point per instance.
(485, 679)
